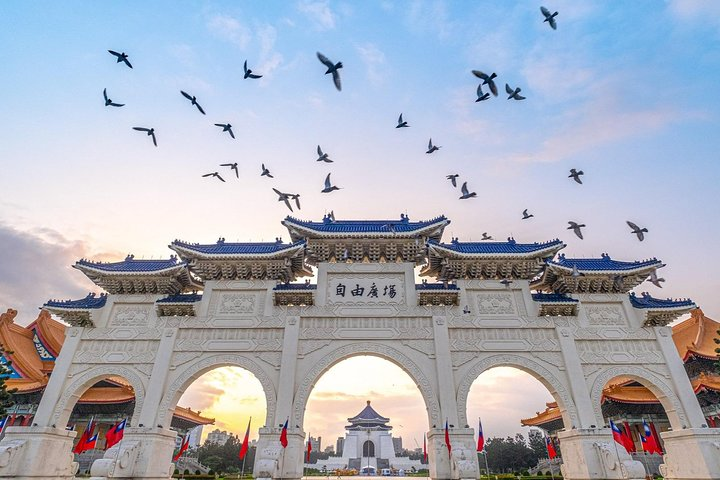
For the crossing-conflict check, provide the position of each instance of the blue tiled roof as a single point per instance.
(91, 301)
(603, 263)
(435, 286)
(509, 247)
(245, 248)
(181, 298)
(368, 414)
(132, 265)
(647, 301)
(295, 286)
(402, 225)
(553, 298)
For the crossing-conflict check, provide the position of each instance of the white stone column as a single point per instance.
(592, 453)
(461, 462)
(288, 364)
(446, 387)
(158, 380)
(144, 453)
(576, 379)
(37, 453)
(691, 454)
(272, 461)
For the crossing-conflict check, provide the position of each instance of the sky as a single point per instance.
(624, 91)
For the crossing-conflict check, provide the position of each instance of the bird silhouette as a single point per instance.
(514, 93)
(640, 232)
(432, 148)
(284, 197)
(149, 131)
(465, 193)
(233, 166)
(655, 280)
(226, 128)
(487, 80)
(265, 172)
(328, 186)
(332, 68)
(322, 157)
(480, 95)
(401, 123)
(214, 174)
(575, 227)
(549, 17)
(575, 175)
(575, 272)
(121, 57)
(506, 282)
(453, 179)
(108, 102)
(296, 197)
(485, 236)
(193, 101)
(248, 72)
(527, 215)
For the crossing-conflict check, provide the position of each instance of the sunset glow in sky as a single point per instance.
(625, 91)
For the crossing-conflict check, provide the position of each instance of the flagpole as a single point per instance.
(245, 456)
(647, 468)
(617, 452)
(307, 457)
(487, 469)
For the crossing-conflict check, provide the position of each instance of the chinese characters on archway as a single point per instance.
(361, 290)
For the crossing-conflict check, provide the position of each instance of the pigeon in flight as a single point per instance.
(576, 273)
(193, 101)
(655, 280)
(121, 57)
(284, 197)
(514, 93)
(465, 193)
(486, 236)
(214, 174)
(226, 127)
(328, 187)
(401, 123)
(487, 80)
(331, 68)
(640, 232)
(549, 17)
(248, 72)
(296, 197)
(432, 148)
(453, 179)
(110, 103)
(149, 131)
(233, 166)
(331, 215)
(480, 95)
(527, 215)
(506, 282)
(575, 175)
(575, 227)
(265, 172)
(322, 157)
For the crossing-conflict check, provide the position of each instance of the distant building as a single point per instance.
(339, 444)
(397, 445)
(330, 450)
(315, 443)
(216, 436)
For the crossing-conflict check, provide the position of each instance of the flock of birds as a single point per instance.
(333, 69)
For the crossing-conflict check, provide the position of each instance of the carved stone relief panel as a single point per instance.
(503, 339)
(619, 351)
(237, 304)
(131, 315)
(230, 339)
(366, 328)
(495, 303)
(605, 314)
(117, 351)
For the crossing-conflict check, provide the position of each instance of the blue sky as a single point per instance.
(625, 91)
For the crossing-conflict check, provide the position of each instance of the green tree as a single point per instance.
(509, 454)
(225, 458)
(6, 396)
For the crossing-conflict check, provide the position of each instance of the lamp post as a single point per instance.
(367, 444)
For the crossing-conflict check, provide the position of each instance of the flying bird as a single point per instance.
(331, 68)
(214, 174)
(284, 197)
(401, 123)
(329, 187)
(506, 282)
(640, 232)
(487, 80)
(655, 280)
(432, 148)
(233, 166)
(453, 179)
(121, 57)
(193, 101)
(465, 193)
(485, 236)
(480, 95)
(296, 197)
(108, 102)
(549, 17)
(575, 227)
(265, 172)
(149, 131)
(514, 93)
(575, 175)
(331, 215)
(527, 215)
(226, 127)
(575, 272)
(322, 157)
(248, 72)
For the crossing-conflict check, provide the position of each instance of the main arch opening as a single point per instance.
(366, 415)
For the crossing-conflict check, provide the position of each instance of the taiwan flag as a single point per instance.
(648, 440)
(244, 446)
(87, 439)
(447, 438)
(481, 437)
(3, 422)
(283, 435)
(183, 447)
(424, 449)
(309, 449)
(550, 448)
(618, 435)
(115, 434)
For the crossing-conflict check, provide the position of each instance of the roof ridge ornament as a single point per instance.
(128, 258)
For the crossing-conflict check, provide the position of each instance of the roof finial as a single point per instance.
(368, 403)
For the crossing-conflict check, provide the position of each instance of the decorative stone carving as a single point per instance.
(235, 303)
(619, 351)
(493, 339)
(495, 303)
(605, 315)
(130, 315)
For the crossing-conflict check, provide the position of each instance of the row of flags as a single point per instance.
(88, 439)
(648, 440)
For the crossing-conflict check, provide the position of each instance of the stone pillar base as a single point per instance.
(593, 454)
(462, 463)
(143, 453)
(272, 461)
(691, 454)
(37, 452)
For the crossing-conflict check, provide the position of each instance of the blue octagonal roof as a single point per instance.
(89, 302)
(645, 300)
(382, 227)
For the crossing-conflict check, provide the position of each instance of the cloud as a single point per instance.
(429, 16)
(374, 60)
(270, 59)
(36, 267)
(183, 53)
(319, 13)
(695, 9)
(230, 29)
